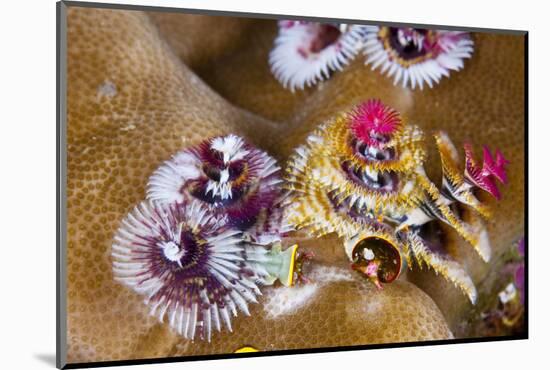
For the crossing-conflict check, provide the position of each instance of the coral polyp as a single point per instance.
(230, 177)
(308, 52)
(415, 56)
(361, 176)
(194, 269)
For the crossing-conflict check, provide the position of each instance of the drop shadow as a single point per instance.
(47, 358)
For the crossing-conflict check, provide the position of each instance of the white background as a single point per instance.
(27, 181)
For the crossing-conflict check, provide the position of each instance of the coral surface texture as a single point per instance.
(144, 86)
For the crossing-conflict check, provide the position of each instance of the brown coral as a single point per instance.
(132, 102)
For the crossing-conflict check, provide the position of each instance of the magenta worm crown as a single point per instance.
(232, 178)
(484, 177)
(495, 168)
(372, 122)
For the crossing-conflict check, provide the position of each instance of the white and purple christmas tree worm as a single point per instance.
(414, 56)
(308, 52)
(232, 178)
(194, 269)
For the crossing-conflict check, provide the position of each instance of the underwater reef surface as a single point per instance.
(143, 86)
